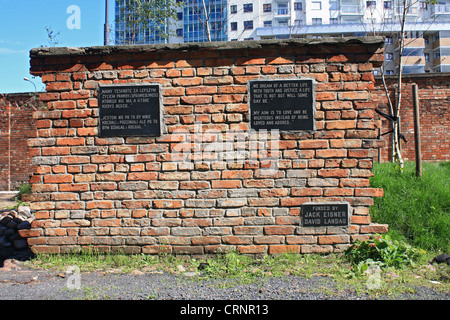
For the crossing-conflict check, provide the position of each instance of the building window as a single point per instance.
(298, 22)
(387, 4)
(371, 4)
(248, 7)
(316, 5)
(388, 56)
(389, 72)
(298, 6)
(233, 9)
(283, 8)
(388, 40)
(233, 26)
(426, 40)
(179, 32)
(283, 23)
(267, 7)
(427, 57)
(248, 25)
(268, 24)
(334, 5)
(334, 21)
(316, 21)
(423, 5)
(180, 16)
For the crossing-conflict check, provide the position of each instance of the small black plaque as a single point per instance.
(325, 214)
(282, 104)
(129, 110)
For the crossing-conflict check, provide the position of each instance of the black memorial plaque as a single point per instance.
(282, 104)
(129, 110)
(325, 214)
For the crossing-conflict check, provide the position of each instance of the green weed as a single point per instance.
(417, 209)
(381, 251)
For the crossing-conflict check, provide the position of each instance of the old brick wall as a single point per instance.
(16, 126)
(434, 108)
(131, 195)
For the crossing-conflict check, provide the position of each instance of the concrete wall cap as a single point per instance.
(219, 45)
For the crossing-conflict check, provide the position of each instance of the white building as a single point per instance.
(427, 25)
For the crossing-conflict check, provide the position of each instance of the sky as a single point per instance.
(75, 23)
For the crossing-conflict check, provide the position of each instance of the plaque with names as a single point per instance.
(282, 104)
(323, 214)
(129, 110)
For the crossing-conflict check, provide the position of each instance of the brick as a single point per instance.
(375, 228)
(331, 153)
(314, 144)
(196, 100)
(144, 176)
(63, 178)
(338, 173)
(59, 86)
(70, 141)
(353, 95)
(187, 82)
(340, 124)
(333, 239)
(226, 184)
(279, 230)
(254, 249)
(277, 249)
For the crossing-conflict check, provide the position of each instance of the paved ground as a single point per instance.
(17, 282)
(6, 199)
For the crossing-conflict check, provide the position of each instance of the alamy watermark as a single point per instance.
(73, 281)
(203, 144)
(374, 279)
(74, 20)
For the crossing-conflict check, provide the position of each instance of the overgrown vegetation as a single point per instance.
(416, 209)
(382, 252)
(24, 188)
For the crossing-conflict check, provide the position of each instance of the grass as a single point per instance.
(241, 269)
(416, 209)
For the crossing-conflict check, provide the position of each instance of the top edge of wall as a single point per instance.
(222, 45)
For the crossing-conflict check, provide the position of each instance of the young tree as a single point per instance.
(140, 17)
(399, 34)
(211, 16)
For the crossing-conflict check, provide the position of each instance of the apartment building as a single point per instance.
(427, 25)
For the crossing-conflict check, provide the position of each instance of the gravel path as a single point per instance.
(27, 284)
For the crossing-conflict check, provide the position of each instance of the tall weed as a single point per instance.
(417, 209)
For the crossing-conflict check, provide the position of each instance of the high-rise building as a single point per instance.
(427, 25)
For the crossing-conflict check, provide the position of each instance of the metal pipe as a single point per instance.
(107, 28)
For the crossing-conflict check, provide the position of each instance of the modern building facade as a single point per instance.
(427, 25)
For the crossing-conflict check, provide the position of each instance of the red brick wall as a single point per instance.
(129, 194)
(434, 102)
(16, 126)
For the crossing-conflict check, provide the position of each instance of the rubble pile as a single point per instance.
(12, 244)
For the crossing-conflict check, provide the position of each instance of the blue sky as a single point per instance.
(22, 27)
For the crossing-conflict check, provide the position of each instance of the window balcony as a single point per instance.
(440, 9)
(351, 10)
(409, 11)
